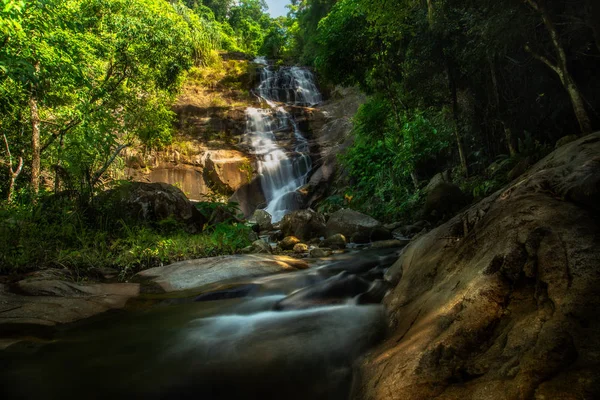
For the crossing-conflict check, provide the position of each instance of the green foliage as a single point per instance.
(59, 234)
(386, 154)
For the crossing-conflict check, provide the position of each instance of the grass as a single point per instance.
(61, 236)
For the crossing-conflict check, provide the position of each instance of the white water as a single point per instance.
(275, 138)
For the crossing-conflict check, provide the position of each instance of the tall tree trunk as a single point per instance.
(453, 92)
(35, 145)
(509, 137)
(35, 138)
(14, 174)
(593, 12)
(561, 67)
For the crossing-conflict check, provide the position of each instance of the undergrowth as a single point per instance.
(60, 235)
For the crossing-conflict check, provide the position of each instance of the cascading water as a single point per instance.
(271, 131)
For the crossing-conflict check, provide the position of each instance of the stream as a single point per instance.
(285, 336)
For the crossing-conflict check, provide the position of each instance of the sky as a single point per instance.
(277, 7)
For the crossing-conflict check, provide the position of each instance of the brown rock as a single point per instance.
(503, 300)
(289, 242)
(337, 241)
(300, 248)
(304, 224)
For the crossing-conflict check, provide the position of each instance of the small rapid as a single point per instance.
(295, 335)
(272, 133)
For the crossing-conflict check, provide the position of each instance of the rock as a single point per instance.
(376, 234)
(304, 224)
(335, 290)
(249, 196)
(443, 200)
(349, 222)
(501, 301)
(263, 219)
(442, 177)
(393, 226)
(388, 244)
(150, 203)
(50, 298)
(300, 248)
(565, 140)
(289, 242)
(196, 273)
(519, 169)
(261, 247)
(320, 253)
(337, 241)
(226, 170)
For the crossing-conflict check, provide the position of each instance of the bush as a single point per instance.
(58, 234)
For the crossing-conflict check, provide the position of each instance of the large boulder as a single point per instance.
(503, 300)
(304, 224)
(150, 203)
(262, 219)
(249, 196)
(444, 199)
(196, 273)
(41, 301)
(351, 223)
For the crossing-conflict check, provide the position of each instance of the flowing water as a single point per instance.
(281, 149)
(293, 336)
(286, 336)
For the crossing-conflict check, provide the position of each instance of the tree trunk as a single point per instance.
(35, 139)
(35, 145)
(593, 12)
(510, 141)
(14, 174)
(561, 68)
(461, 151)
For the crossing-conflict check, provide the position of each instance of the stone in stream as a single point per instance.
(229, 293)
(320, 252)
(289, 242)
(304, 224)
(337, 241)
(262, 219)
(300, 248)
(196, 273)
(349, 223)
(335, 290)
(48, 298)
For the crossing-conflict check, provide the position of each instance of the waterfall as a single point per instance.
(281, 150)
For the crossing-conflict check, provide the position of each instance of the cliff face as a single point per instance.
(204, 159)
(502, 301)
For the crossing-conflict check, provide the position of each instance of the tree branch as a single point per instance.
(543, 59)
(107, 164)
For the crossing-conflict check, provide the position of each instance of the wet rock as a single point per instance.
(300, 248)
(501, 301)
(196, 273)
(335, 290)
(388, 244)
(289, 242)
(50, 298)
(263, 219)
(261, 247)
(336, 242)
(235, 292)
(349, 222)
(320, 253)
(304, 224)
